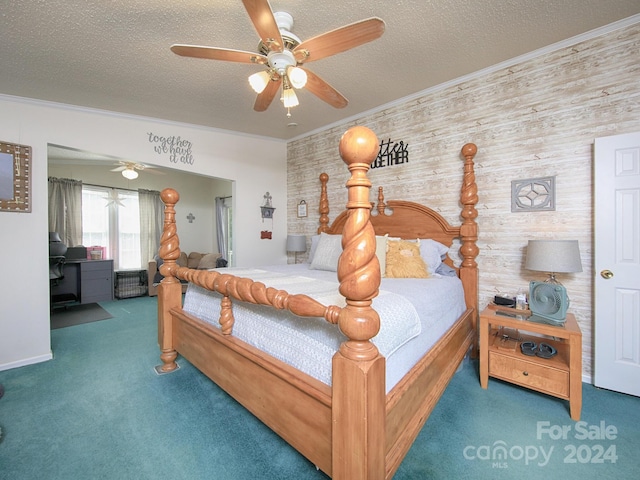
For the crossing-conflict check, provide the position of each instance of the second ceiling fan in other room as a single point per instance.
(130, 169)
(283, 55)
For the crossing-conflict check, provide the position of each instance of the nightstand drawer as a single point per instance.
(533, 375)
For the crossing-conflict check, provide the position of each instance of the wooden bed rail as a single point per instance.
(227, 285)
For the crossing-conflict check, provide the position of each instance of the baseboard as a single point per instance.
(26, 361)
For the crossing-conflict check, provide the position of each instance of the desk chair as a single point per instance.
(56, 273)
(56, 269)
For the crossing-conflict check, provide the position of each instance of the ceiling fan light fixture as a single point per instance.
(129, 174)
(297, 77)
(281, 61)
(259, 81)
(289, 98)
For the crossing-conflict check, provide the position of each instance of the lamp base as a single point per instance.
(552, 279)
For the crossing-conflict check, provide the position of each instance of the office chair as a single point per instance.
(57, 259)
(56, 269)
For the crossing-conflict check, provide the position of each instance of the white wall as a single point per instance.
(254, 164)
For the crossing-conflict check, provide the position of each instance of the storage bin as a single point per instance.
(96, 252)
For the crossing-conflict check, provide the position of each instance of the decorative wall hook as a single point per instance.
(267, 209)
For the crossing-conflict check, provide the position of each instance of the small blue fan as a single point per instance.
(549, 301)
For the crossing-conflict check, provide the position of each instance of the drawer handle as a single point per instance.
(525, 373)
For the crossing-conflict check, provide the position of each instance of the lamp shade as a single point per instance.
(296, 243)
(553, 256)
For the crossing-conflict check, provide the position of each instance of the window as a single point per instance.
(111, 218)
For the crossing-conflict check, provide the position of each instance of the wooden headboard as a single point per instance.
(410, 220)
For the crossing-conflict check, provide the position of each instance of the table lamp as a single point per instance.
(553, 256)
(296, 243)
(548, 300)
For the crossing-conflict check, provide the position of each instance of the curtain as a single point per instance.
(222, 222)
(151, 223)
(65, 209)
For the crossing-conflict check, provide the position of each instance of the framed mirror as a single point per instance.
(15, 178)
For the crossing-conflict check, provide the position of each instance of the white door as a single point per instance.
(617, 263)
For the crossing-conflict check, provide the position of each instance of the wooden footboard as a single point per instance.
(352, 430)
(294, 405)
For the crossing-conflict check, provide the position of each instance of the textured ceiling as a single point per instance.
(114, 55)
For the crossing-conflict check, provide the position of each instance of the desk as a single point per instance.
(90, 280)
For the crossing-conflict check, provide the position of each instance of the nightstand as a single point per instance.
(502, 330)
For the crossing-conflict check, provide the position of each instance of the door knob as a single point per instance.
(606, 274)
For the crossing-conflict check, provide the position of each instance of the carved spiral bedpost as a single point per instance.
(358, 382)
(170, 290)
(469, 230)
(324, 204)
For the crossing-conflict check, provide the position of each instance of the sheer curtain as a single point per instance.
(151, 223)
(65, 209)
(223, 205)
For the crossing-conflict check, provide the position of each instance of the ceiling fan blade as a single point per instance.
(266, 97)
(324, 91)
(214, 53)
(339, 40)
(118, 169)
(152, 170)
(264, 22)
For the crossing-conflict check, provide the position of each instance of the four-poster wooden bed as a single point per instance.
(353, 428)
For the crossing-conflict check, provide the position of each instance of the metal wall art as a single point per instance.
(533, 194)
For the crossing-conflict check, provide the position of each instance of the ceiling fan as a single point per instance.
(130, 169)
(283, 54)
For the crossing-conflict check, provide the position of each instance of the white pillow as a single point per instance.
(381, 252)
(431, 252)
(327, 253)
(314, 245)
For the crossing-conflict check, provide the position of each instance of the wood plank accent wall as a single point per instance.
(535, 119)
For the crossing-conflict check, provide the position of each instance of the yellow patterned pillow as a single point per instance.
(404, 261)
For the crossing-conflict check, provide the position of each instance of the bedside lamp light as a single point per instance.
(553, 256)
(296, 243)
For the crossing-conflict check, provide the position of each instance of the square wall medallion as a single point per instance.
(533, 194)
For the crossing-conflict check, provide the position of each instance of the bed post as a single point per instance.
(324, 204)
(469, 231)
(358, 380)
(169, 290)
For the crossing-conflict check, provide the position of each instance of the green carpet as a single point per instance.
(77, 315)
(98, 410)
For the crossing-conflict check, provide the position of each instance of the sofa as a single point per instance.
(200, 261)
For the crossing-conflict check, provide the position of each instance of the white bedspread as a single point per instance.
(309, 344)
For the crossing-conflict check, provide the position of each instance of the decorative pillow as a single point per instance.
(208, 261)
(314, 245)
(446, 271)
(182, 260)
(432, 253)
(327, 253)
(194, 259)
(404, 260)
(381, 251)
